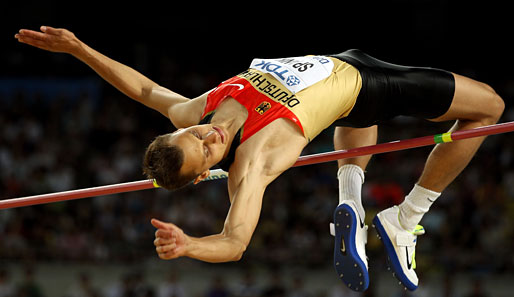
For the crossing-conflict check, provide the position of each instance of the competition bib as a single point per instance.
(296, 73)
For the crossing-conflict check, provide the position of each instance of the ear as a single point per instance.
(202, 176)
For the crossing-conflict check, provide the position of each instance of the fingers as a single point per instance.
(164, 237)
(44, 30)
(164, 233)
(166, 248)
(159, 241)
(167, 252)
(33, 38)
(30, 34)
(160, 225)
(50, 39)
(51, 30)
(168, 255)
(31, 41)
(167, 240)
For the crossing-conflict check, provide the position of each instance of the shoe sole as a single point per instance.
(392, 257)
(349, 266)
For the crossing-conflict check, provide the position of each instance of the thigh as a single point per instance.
(389, 90)
(472, 100)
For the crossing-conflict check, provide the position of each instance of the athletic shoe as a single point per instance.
(400, 245)
(350, 259)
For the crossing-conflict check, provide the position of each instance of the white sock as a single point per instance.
(415, 205)
(351, 178)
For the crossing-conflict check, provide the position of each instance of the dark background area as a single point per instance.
(449, 34)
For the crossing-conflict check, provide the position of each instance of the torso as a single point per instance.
(278, 141)
(272, 145)
(312, 91)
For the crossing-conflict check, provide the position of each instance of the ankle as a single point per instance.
(351, 178)
(415, 205)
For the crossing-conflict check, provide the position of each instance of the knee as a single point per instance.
(496, 106)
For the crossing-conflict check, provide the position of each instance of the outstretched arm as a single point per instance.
(125, 79)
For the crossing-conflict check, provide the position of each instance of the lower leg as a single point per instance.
(348, 138)
(447, 160)
(351, 170)
(443, 165)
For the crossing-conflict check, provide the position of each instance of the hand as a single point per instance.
(50, 39)
(170, 240)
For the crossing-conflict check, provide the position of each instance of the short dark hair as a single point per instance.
(162, 162)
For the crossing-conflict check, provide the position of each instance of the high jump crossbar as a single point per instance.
(397, 145)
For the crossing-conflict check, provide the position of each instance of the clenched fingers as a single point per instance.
(165, 244)
(163, 241)
(167, 256)
(166, 252)
(164, 233)
(165, 248)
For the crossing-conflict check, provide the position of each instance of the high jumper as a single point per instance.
(256, 124)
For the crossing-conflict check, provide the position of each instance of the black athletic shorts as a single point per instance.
(390, 90)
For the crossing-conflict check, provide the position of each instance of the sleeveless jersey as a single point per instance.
(311, 91)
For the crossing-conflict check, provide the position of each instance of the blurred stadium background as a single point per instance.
(61, 127)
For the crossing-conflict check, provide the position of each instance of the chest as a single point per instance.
(271, 150)
(238, 96)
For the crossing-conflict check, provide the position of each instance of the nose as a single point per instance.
(210, 137)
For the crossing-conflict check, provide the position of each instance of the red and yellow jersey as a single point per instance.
(311, 91)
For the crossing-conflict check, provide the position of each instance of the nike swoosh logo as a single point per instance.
(430, 200)
(409, 261)
(343, 246)
(237, 85)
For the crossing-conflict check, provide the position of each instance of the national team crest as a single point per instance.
(263, 107)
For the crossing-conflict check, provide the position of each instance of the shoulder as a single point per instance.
(197, 104)
(188, 113)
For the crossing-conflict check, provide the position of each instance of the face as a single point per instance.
(203, 145)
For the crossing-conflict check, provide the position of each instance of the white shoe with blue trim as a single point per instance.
(350, 259)
(400, 245)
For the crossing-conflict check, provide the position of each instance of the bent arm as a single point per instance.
(259, 161)
(248, 179)
(126, 79)
(229, 245)
(239, 227)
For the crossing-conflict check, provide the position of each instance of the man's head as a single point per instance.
(176, 159)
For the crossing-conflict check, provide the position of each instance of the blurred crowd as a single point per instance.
(135, 284)
(53, 142)
(247, 283)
